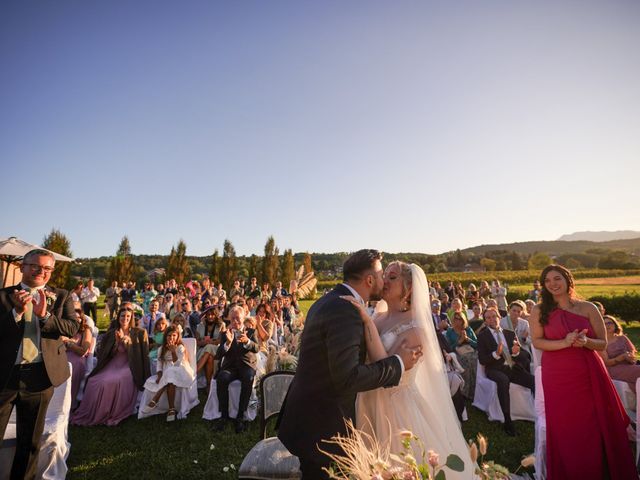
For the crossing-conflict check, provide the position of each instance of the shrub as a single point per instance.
(626, 307)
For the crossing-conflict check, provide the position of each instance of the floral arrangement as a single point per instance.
(365, 458)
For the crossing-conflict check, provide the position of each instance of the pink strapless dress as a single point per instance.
(586, 422)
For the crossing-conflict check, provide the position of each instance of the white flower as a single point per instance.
(225, 469)
(195, 461)
(212, 447)
(232, 466)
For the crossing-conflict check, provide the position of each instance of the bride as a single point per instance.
(421, 402)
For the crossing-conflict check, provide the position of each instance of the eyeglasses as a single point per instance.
(35, 268)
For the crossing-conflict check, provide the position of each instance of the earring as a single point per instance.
(406, 305)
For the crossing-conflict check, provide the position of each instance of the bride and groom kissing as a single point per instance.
(390, 366)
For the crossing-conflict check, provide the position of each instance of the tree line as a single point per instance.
(272, 265)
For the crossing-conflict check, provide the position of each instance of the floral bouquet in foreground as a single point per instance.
(365, 459)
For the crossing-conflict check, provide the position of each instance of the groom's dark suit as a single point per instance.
(30, 386)
(331, 371)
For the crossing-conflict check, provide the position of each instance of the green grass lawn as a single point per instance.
(157, 449)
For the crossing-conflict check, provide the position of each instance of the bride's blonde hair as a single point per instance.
(405, 274)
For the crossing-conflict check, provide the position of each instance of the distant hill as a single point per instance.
(601, 236)
(559, 247)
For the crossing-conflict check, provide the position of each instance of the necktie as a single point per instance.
(508, 361)
(30, 337)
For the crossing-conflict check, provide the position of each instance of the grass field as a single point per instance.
(156, 449)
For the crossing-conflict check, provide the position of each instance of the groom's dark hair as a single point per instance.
(359, 262)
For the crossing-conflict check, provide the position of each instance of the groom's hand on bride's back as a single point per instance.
(410, 354)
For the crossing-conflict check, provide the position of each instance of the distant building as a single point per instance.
(156, 274)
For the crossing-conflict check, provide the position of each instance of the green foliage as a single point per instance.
(539, 260)
(455, 463)
(122, 267)
(270, 262)
(488, 264)
(214, 269)
(57, 242)
(228, 267)
(626, 307)
(253, 267)
(287, 268)
(177, 265)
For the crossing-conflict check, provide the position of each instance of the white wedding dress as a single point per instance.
(421, 403)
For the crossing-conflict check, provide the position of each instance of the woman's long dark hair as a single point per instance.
(547, 303)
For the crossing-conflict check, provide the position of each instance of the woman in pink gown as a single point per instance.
(586, 422)
(123, 366)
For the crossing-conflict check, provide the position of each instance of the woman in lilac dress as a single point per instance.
(123, 366)
(78, 348)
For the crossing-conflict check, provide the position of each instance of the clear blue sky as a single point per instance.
(335, 125)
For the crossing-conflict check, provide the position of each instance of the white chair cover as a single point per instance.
(212, 409)
(186, 398)
(54, 445)
(486, 399)
(540, 429)
(627, 396)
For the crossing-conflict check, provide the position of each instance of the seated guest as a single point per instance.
(464, 342)
(78, 348)
(456, 307)
(504, 362)
(191, 318)
(174, 371)
(123, 366)
(444, 302)
(237, 354)
(236, 290)
(514, 321)
(620, 355)
(208, 335)
(473, 294)
(529, 304)
(279, 290)
(148, 321)
(158, 335)
(476, 321)
(440, 319)
(185, 331)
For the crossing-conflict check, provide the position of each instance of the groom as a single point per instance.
(331, 368)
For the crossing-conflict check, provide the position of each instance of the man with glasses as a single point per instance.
(32, 319)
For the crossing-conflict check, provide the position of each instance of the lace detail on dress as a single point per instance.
(389, 337)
